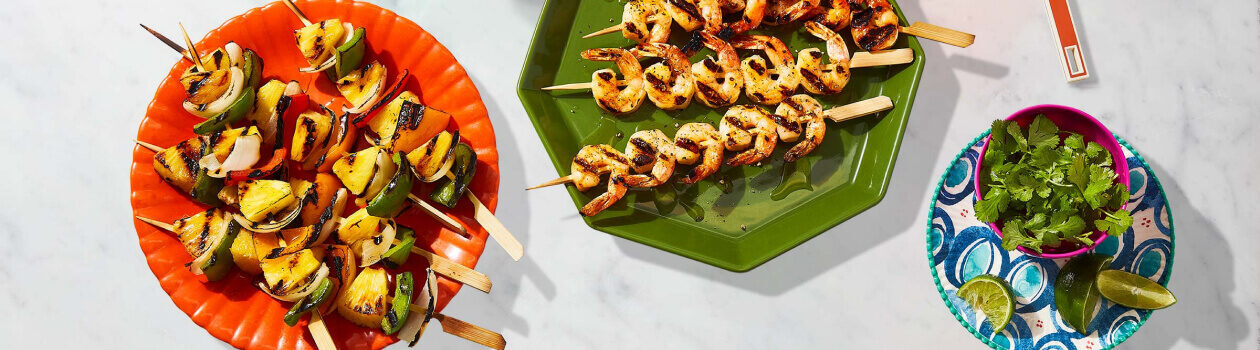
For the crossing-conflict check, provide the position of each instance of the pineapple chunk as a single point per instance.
(434, 158)
(406, 124)
(357, 169)
(259, 199)
(318, 41)
(222, 143)
(363, 302)
(177, 165)
(205, 87)
(265, 101)
(363, 85)
(311, 134)
(360, 226)
(249, 247)
(290, 273)
(201, 232)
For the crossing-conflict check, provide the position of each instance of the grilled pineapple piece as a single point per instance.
(433, 159)
(290, 273)
(357, 170)
(310, 135)
(406, 124)
(249, 247)
(177, 165)
(221, 144)
(363, 302)
(259, 199)
(362, 86)
(205, 87)
(318, 41)
(201, 233)
(265, 101)
(360, 226)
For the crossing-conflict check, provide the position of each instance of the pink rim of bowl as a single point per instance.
(1067, 119)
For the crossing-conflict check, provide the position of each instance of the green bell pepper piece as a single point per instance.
(234, 113)
(397, 314)
(253, 69)
(349, 55)
(206, 188)
(394, 195)
(321, 294)
(449, 190)
(397, 255)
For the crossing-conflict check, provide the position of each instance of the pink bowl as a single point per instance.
(1067, 119)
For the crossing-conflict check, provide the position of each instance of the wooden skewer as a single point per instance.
(492, 224)
(149, 146)
(860, 60)
(455, 271)
(192, 50)
(465, 330)
(837, 114)
(614, 28)
(301, 16)
(319, 331)
(162, 225)
(938, 33)
(438, 215)
(168, 42)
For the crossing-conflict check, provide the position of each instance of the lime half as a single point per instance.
(991, 296)
(1133, 290)
(1074, 292)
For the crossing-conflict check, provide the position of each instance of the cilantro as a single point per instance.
(1049, 192)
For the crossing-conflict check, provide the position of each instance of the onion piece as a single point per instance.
(332, 215)
(200, 261)
(220, 105)
(385, 169)
(235, 54)
(441, 173)
(296, 295)
(331, 62)
(245, 153)
(373, 249)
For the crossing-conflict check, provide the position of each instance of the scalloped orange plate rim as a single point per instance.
(233, 309)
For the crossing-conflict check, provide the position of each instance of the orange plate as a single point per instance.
(233, 309)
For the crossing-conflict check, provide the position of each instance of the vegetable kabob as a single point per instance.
(748, 130)
(406, 125)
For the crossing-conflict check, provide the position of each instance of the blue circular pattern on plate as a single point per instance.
(961, 247)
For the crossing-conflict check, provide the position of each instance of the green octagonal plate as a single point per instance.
(747, 215)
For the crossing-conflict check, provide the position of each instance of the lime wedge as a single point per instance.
(991, 296)
(1074, 292)
(1133, 290)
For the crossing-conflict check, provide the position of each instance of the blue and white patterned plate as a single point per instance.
(960, 247)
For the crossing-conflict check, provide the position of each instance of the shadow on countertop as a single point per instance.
(916, 171)
(1202, 279)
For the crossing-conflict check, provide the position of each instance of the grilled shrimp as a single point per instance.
(650, 151)
(874, 24)
(669, 84)
(718, 83)
(803, 114)
(816, 76)
(698, 142)
(835, 14)
(696, 14)
(646, 21)
(749, 129)
(590, 163)
(754, 11)
(760, 84)
(785, 11)
(604, 83)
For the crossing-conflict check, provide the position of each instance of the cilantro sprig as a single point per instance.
(1048, 190)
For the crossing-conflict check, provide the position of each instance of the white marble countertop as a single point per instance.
(1177, 81)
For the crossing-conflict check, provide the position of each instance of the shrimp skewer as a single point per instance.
(691, 15)
(875, 27)
(609, 95)
(749, 129)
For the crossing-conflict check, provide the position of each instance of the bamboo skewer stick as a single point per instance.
(612, 29)
(168, 42)
(837, 114)
(938, 33)
(492, 225)
(461, 273)
(319, 331)
(301, 16)
(859, 60)
(192, 50)
(162, 225)
(465, 330)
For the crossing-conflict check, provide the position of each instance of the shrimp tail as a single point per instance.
(616, 190)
